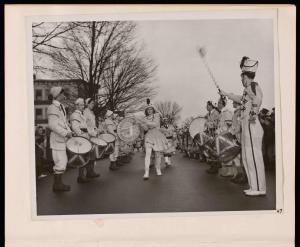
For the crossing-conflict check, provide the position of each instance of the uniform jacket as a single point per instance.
(250, 101)
(90, 121)
(212, 119)
(58, 125)
(110, 126)
(236, 124)
(225, 120)
(78, 124)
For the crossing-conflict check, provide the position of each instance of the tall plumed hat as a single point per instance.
(149, 105)
(223, 99)
(248, 65)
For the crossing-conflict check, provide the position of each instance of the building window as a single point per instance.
(67, 92)
(47, 93)
(38, 114)
(38, 94)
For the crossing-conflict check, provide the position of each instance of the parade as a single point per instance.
(229, 142)
(122, 120)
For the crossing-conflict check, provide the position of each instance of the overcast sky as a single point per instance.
(181, 74)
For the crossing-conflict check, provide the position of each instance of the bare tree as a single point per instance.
(106, 56)
(170, 110)
(87, 50)
(46, 35)
(128, 80)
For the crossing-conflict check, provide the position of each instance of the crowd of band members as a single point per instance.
(253, 130)
(266, 118)
(82, 123)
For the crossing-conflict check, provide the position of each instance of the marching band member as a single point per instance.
(154, 140)
(212, 118)
(211, 124)
(225, 122)
(169, 131)
(235, 129)
(252, 132)
(60, 132)
(111, 128)
(93, 130)
(79, 126)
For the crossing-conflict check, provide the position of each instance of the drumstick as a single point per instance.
(202, 53)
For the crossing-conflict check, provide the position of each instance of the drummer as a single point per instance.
(79, 126)
(235, 129)
(211, 124)
(93, 131)
(60, 132)
(212, 118)
(169, 131)
(225, 122)
(111, 128)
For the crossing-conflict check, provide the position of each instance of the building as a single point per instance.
(73, 88)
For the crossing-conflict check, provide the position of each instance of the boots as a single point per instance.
(81, 177)
(236, 178)
(242, 179)
(226, 171)
(90, 172)
(167, 161)
(59, 185)
(113, 166)
(213, 169)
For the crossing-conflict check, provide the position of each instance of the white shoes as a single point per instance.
(255, 192)
(146, 175)
(158, 172)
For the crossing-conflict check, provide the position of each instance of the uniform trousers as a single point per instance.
(60, 160)
(251, 143)
(114, 155)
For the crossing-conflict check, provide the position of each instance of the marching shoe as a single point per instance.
(212, 170)
(242, 179)
(262, 192)
(113, 166)
(146, 175)
(246, 191)
(158, 172)
(224, 172)
(236, 178)
(82, 180)
(90, 171)
(255, 193)
(59, 185)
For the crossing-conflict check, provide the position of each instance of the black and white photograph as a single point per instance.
(154, 116)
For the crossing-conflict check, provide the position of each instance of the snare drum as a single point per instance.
(78, 146)
(109, 139)
(227, 147)
(99, 146)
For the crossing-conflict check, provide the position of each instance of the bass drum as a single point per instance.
(128, 130)
(197, 126)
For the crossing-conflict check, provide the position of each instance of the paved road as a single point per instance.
(185, 187)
